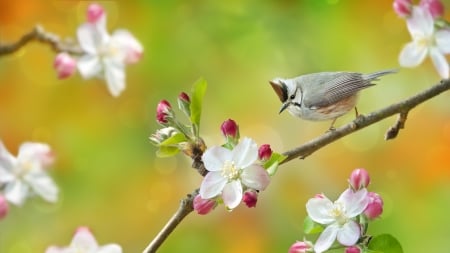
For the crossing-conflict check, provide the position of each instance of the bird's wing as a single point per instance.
(331, 87)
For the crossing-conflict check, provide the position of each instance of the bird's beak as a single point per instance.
(284, 106)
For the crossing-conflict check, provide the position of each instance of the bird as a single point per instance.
(323, 95)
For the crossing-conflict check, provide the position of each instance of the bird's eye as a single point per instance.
(292, 96)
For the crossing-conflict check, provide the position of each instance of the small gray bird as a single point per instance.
(324, 95)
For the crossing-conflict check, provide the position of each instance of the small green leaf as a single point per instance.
(198, 92)
(167, 151)
(271, 165)
(385, 243)
(174, 139)
(310, 227)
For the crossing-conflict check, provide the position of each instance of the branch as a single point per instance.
(402, 108)
(39, 34)
(186, 207)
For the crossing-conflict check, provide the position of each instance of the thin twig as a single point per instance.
(402, 108)
(39, 34)
(186, 207)
(392, 132)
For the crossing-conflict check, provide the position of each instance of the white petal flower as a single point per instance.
(232, 171)
(106, 56)
(84, 242)
(26, 174)
(338, 216)
(426, 41)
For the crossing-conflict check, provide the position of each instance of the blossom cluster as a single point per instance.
(25, 175)
(105, 56)
(344, 220)
(429, 32)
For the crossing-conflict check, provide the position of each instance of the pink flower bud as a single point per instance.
(230, 129)
(403, 8)
(250, 198)
(301, 247)
(163, 110)
(64, 65)
(4, 207)
(94, 13)
(435, 7)
(184, 97)
(264, 152)
(375, 207)
(359, 179)
(352, 249)
(203, 206)
(319, 196)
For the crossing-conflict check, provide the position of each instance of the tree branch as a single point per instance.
(39, 34)
(402, 108)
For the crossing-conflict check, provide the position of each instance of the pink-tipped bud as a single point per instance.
(403, 8)
(230, 129)
(319, 196)
(375, 207)
(4, 207)
(163, 111)
(435, 7)
(352, 249)
(184, 97)
(301, 247)
(64, 65)
(203, 206)
(184, 103)
(264, 152)
(94, 13)
(359, 179)
(250, 198)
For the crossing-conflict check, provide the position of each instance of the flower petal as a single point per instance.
(245, 153)
(89, 66)
(440, 63)
(128, 43)
(420, 24)
(7, 161)
(442, 38)
(349, 234)
(412, 55)
(255, 177)
(84, 241)
(37, 153)
(354, 202)
(318, 210)
(90, 38)
(43, 185)
(115, 76)
(326, 238)
(212, 185)
(232, 194)
(214, 158)
(110, 248)
(16, 192)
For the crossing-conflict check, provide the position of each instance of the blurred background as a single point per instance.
(106, 169)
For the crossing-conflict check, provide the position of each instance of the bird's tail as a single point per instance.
(374, 76)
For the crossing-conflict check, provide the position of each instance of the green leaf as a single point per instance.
(271, 165)
(385, 243)
(310, 227)
(167, 151)
(174, 139)
(198, 92)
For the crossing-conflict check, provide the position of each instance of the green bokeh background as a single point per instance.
(109, 177)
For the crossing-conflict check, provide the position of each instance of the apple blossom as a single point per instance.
(426, 41)
(203, 206)
(338, 218)
(106, 55)
(65, 65)
(301, 247)
(264, 152)
(403, 8)
(163, 111)
(250, 198)
(359, 178)
(94, 13)
(4, 207)
(232, 171)
(25, 174)
(435, 7)
(375, 207)
(84, 242)
(230, 129)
